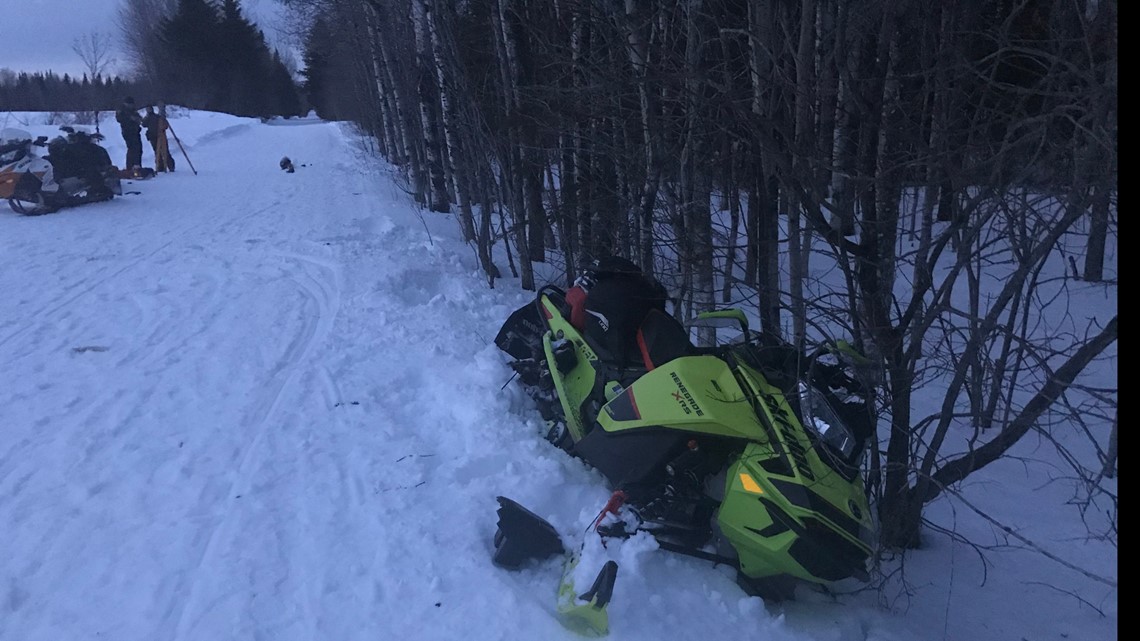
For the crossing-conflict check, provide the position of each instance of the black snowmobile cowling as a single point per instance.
(751, 447)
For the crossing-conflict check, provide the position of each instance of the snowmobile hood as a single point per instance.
(817, 529)
(696, 393)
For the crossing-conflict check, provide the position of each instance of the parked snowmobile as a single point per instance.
(749, 453)
(74, 171)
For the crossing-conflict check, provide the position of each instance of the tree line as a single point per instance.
(206, 54)
(47, 91)
(734, 147)
(202, 54)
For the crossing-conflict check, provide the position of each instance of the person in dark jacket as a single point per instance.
(131, 125)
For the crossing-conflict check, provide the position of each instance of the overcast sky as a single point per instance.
(38, 34)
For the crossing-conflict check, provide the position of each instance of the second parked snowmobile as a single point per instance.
(74, 170)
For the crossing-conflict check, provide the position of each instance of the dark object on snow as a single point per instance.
(523, 535)
(137, 173)
(287, 165)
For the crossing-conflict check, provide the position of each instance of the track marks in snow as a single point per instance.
(226, 133)
(320, 278)
(210, 383)
(317, 280)
(255, 448)
(175, 322)
(73, 292)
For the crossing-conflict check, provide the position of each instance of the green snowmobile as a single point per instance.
(749, 453)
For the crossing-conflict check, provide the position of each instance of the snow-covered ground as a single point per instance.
(247, 404)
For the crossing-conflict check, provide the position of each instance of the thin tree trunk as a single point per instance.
(845, 149)
(402, 108)
(511, 177)
(695, 187)
(799, 237)
(1098, 233)
(460, 176)
(762, 206)
(438, 198)
(639, 61)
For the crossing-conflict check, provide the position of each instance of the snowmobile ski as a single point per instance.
(586, 613)
(523, 536)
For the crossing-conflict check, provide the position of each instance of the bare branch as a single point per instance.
(94, 49)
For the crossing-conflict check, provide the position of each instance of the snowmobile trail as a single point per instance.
(146, 418)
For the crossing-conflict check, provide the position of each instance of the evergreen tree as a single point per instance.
(242, 64)
(283, 89)
(318, 45)
(215, 58)
(187, 72)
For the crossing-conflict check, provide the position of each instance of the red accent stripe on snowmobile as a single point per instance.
(644, 351)
(633, 402)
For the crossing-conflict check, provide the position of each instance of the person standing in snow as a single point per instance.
(150, 124)
(163, 143)
(155, 125)
(131, 124)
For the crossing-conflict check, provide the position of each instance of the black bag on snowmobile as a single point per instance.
(618, 298)
(615, 309)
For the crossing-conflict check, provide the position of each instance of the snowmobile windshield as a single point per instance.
(819, 416)
(829, 404)
(8, 136)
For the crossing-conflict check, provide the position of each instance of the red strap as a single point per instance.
(576, 298)
(644, 350)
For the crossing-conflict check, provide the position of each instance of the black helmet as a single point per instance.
(607, 267)
(615, 266)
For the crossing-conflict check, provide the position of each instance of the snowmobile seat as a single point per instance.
(661, 338)
(615, 308)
